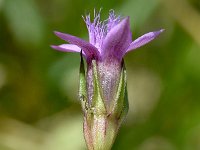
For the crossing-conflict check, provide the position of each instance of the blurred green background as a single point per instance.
(39, 109)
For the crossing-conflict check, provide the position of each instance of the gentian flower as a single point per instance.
(102, 88)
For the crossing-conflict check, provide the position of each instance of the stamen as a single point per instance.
(98, 29)
(113, 20)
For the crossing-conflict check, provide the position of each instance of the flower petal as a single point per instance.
(89, 50)
(67, 48)
(117, 40)
(144, 39)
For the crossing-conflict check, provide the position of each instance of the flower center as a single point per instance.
(98, 29)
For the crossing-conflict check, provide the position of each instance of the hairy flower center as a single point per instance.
(98, 29)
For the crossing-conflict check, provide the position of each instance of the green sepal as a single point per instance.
(82, 84)
(121, 106)
(97, 102)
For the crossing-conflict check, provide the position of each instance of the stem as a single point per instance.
(100, 134)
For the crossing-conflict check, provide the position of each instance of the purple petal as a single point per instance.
(117, 40)
(67, 48)
(144, 39)
(89, 49)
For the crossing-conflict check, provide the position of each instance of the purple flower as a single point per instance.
(108, 39)
(103, 87)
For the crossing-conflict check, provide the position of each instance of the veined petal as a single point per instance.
(89, 49)
(67, 48)
(117, 40)
(144, 39)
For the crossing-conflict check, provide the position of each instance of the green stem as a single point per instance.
(100, 134)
